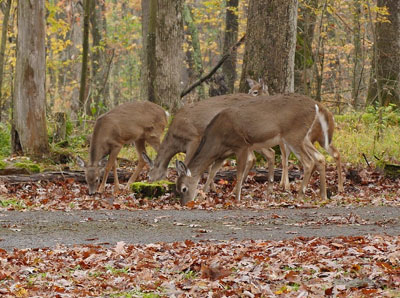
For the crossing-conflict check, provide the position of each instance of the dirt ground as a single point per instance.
(47, 228)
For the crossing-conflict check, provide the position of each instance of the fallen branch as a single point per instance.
(218, 65)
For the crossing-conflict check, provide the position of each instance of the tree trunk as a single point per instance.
(4, 28)
(193, 53)
(29, 113)
(304, 57)
(231, 36)
(151, 52)
(386, 68)
(270, 44)
(169, 53)
(85, 51)
(144, 72)
(99, 65)
(358, 57)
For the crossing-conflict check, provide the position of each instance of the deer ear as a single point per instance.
(182, 169)
(147, 159)
(102, 163)
(251, 82)
(80, 162)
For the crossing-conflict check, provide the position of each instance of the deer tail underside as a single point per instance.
(323, 121)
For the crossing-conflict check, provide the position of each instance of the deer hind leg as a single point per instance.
(112, 159)
(212, 171)
(269, 154)
(140, 147)
(311, 158)
(336, 156)
(285, 152)
(116, 181)
(243, 157)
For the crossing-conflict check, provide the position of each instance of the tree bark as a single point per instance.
(193, 53)
(4, 28)
(231, 36)
(358, 57)
(98, 63)
(169, 53)
(144, 72)
(29, 112)
(151, 52)
(270, 44)
(304, 57)
(85, 52)
(386, 63)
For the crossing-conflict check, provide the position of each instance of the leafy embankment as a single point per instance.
(303, 267)
(362, 187)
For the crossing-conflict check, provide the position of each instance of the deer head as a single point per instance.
(186, 185)
(257, 88)
(93, 173)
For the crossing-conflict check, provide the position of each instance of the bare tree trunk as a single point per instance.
(231, 36)
(6, 17)
(151, 52)
(99, 64)
(305, 34)
(169, 53)
(386, 61)
(85, 52)
(270, 44)
(193, 53)
(358, 57)
(29, 113)
(144, 75)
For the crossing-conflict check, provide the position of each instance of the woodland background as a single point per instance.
(100, 53)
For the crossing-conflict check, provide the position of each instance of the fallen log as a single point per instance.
(259, 175)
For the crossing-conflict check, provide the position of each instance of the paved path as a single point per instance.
(42, 229)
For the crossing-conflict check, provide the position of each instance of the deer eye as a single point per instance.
(255, 92)
(184, 189)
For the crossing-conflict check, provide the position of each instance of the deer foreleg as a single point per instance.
(112, 159)
(140, 147)
(285, 152)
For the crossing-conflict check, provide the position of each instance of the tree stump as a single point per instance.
(61, 127)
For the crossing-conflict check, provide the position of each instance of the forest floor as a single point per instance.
(56, 241)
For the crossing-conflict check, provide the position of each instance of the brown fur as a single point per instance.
(134, 122)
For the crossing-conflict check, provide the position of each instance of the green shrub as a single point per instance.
(5, 142)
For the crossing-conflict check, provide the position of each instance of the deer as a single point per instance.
(321, 134)
(137, 122)
(185, 132)
(261, 122)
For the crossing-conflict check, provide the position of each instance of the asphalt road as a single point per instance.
(36, 229)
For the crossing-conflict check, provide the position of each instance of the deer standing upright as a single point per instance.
(133, 122)
(259, 123)
(320, 133)
(185, 133)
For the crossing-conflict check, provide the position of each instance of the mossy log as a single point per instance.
(153, 190)
(392, 171)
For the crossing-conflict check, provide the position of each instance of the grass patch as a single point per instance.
(17, 204)
(152, 190)
(30, 166)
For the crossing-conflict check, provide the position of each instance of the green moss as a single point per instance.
(31, 167)
(152, 190)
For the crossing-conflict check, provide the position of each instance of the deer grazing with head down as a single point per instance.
(321, 134)
(261, 122)
(185, 133)
(134, 122)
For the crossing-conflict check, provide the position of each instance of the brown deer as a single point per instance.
(258, 123)
(134, 122)
(321, 134)
(185, 133)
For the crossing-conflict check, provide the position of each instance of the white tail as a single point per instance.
(257, 88)
(134, 122)
(185, 133)
(258, 123)
(321, 133)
